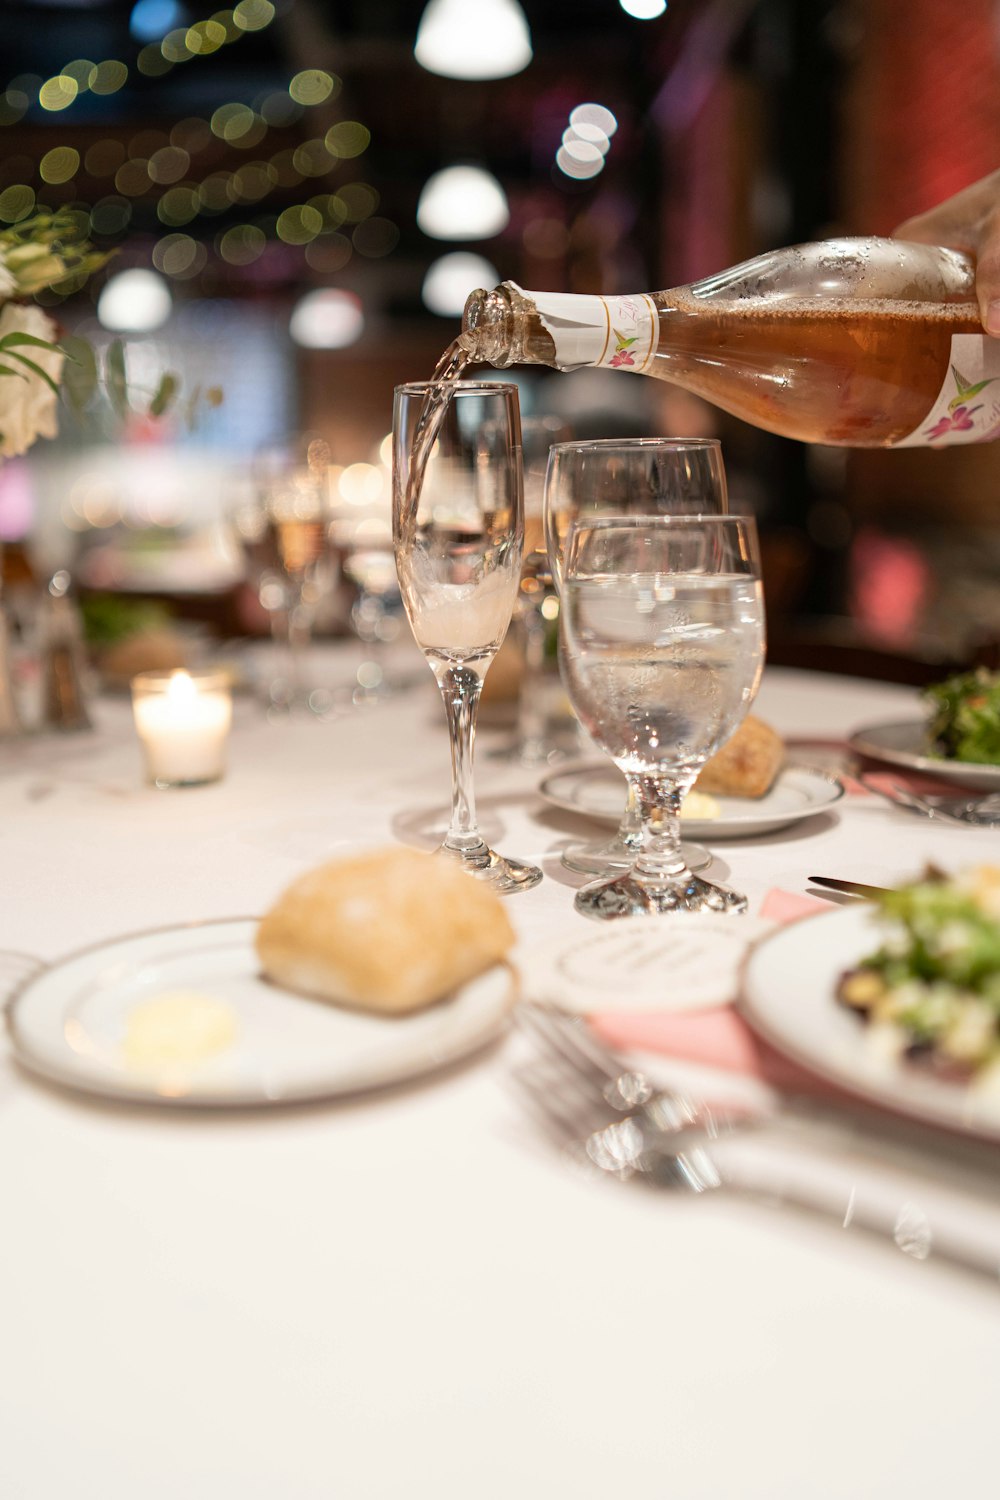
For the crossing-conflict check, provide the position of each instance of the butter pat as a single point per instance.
(178, 1026)
(699, 805)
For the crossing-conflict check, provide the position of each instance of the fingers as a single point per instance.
(933, 229)
(988, 274)
(969, 221)
(945, 225)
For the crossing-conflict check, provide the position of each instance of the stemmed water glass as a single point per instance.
(628, 476)
(458, 534)
(662, 626)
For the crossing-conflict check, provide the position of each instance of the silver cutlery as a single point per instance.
(615, 1122)
(948, 807)
(849, 887)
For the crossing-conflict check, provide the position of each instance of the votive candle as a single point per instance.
(182, 720)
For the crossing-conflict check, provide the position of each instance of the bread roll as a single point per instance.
(746, 765)
(392, 930)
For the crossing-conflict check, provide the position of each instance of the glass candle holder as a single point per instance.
(183, 721)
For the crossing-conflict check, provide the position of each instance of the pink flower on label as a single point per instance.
(623, 357)
(959, 421)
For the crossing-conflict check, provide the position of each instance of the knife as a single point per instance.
(850, 887)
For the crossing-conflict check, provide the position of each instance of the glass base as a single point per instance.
(505, 876)
(616, 854)
(627, 896)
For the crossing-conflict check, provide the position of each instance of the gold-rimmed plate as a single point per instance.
(788, 995)
(904, 744)
(597, 789)
(70, 1024)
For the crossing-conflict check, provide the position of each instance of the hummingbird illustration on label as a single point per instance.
(965, 389)
(623, 351)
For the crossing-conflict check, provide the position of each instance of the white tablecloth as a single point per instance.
(409, 1296)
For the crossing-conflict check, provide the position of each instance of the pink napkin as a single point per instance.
(718, 1038)
(838, 753)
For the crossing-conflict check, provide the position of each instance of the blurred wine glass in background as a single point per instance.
(546, 728)
(377, 608)
(283, 518)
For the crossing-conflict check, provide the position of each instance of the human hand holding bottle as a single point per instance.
(968, 221)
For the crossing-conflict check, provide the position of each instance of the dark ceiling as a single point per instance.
(587, 49)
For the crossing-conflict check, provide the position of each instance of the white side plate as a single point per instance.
(903, 745)
(597, 789)
(68, 1024)
(789, 997)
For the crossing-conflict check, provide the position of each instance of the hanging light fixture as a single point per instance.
(473, 38)
(450, 280)
(327, 318)
(462, 203)
(136, 301)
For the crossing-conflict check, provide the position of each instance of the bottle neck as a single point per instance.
(569, 331)
(489, 328)
(502, 328)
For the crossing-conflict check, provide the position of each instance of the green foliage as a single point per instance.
(49, 250)
(966, 717)
(79, 378)
(115, 378)
(109, 618)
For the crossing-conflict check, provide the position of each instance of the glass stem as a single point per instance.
(530, 715)
(460, 689)
(299, 633)
(660, 856)
(630, 827)
(367, 615)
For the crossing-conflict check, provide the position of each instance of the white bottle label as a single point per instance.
(617, 332)
(968, 408)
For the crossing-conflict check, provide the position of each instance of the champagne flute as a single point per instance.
(625, 476)
(663, 648)
(284, 527)
(458, 534)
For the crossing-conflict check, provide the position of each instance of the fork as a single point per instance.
(981, 811)
(613, 1120)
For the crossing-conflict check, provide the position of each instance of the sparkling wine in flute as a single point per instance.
(854, 342)
(458, 531)
(286, 547)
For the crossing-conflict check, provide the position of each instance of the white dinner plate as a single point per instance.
(788, 995)
(597, 788)
(68, 1024)
(902, 744)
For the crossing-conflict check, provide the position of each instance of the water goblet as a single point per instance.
(662, 638)
(626, 476)
(458, 533)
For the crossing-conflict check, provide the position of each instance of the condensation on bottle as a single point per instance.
(851, 342)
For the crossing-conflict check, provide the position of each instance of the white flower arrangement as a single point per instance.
(49, 251)
(29, 398)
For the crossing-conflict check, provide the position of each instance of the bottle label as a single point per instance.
(616, 332)
(968, 408)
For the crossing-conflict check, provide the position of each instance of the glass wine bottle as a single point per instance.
(854, 342)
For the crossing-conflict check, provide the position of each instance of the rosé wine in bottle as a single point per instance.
(855, 342)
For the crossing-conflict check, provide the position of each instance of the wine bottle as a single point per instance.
(854, 342)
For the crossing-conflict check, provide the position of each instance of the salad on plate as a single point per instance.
(931, 991)
(965, 717)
